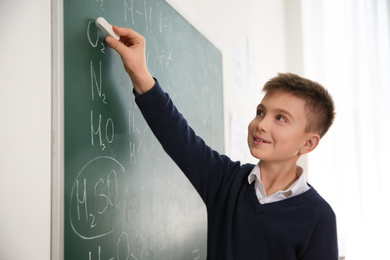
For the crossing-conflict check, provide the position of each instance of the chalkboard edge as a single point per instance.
(57, 125)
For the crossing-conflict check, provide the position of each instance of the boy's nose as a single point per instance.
(263, 124)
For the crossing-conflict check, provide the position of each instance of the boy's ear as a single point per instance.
(310, 144)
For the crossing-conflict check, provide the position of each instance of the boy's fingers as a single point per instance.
(119, 31)
(115, 44)
(126, 33)
(128, 38)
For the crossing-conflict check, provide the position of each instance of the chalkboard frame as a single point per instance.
(57, 119)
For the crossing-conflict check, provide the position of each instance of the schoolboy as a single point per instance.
(263, 211)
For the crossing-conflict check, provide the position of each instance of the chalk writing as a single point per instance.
(94, 42)
(101, 4)
(109, 131)
(196, 253)
(96, 197)
(96, 85)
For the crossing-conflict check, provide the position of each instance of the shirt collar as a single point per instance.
(298, 187)
(255, 174)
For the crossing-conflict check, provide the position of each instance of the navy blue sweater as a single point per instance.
(239, 227)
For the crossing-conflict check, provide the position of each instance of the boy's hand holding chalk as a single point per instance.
(131, 47)
(105, 27)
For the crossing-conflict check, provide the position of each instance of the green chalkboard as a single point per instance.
(124, 197)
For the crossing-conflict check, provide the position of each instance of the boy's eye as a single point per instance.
(281, 118)
(259, 113)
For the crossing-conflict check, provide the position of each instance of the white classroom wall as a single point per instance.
(249, 33)
(25, 129)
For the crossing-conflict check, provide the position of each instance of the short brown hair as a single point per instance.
(319, 105)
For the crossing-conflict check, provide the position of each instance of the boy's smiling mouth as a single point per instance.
(259, 139)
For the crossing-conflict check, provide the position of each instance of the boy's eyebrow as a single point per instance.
(261, 106)
(277, 110)
(282, 111)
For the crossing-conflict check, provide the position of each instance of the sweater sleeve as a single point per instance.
(203, 166)
(323, 243)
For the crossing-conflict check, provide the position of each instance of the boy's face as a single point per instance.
(277, 133)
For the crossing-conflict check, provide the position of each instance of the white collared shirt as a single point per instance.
(298, 187)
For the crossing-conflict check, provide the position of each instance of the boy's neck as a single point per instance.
(277, 177)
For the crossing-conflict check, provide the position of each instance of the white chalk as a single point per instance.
(103, 25)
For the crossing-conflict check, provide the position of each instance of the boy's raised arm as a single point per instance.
(131, 48)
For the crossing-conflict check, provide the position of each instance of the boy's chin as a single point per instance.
(256, 156)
